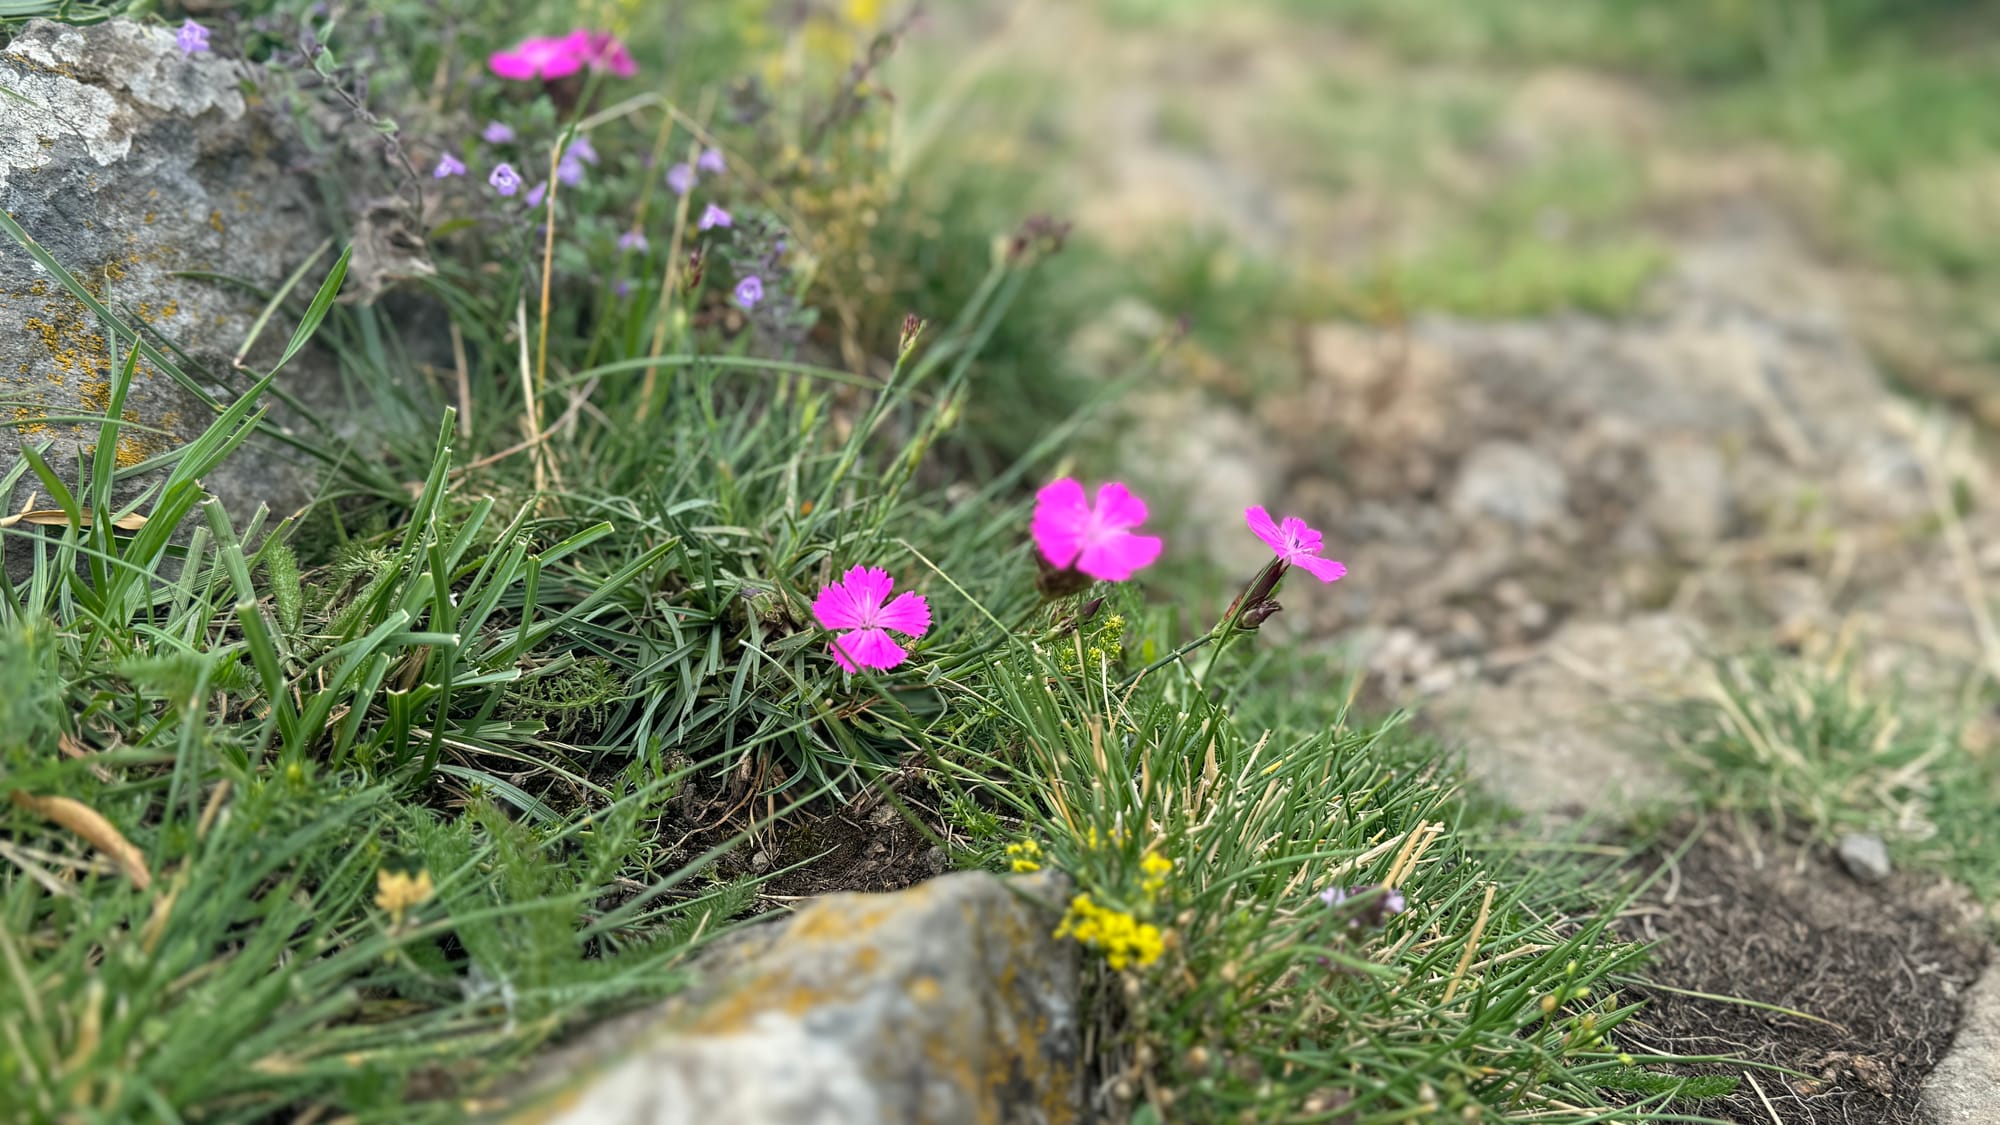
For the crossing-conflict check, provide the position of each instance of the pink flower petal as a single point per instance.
(1326, 570)
(618, 60)
(567, 55)
(836, 608)
(1118, 555)
(870, 586)
(1263, 528)
(512, 65)
(1061, 517)
(909, 613)
(1298, 537)
(1117, 507)
(866, 648)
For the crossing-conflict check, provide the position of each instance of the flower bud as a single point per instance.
(913, 327)
(1257, 614)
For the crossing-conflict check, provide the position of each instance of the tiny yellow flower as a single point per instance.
(1122, 939)
(397, 891)
(1155, 867)
(1025, 856)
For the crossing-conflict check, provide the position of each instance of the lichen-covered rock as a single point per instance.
(949, 1002)
(139, 169)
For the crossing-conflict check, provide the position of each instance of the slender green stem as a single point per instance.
(1171, 657)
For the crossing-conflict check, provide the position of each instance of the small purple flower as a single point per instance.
(504, 179)
(496, 134)
(581, 149)
(749, 291)
(622, 288)
(192, 38)
(680, 178)
(711, 161)
(448, 165)
(570, 170)
(538, 193)
(633, 240)
(1374, 909)
(714, 217)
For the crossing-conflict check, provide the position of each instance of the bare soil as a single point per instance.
(1780, 923)
(873, 843)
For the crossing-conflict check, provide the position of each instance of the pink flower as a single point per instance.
(1295, 543)
(550, 57)
(714, 217)
(1095, 538)
(853, 607)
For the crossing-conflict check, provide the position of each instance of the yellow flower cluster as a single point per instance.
(1155, 869)
(1025, 856)
(1123, 939)
(396, 892)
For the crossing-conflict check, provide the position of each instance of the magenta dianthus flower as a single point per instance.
(857, 608)
(504, 179)
(552, 57)
(680, 178)
(714, 217)
(1097, 538)
(448, 165)
(192, 39)
(496, 133)
(749, 291)
(1295, 543)
(711, 161)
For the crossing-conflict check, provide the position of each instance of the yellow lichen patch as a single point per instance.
(95, 394)
(829, 919)
(27, 420)
(74, 345)
(215, 220)
(924, 989)
(131, 451)
(774, 992)
(151, 216)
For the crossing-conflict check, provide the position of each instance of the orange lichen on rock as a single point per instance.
(27, 420)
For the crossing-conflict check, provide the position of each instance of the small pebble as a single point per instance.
(1864, 856)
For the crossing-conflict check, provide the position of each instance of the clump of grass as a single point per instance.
(1202, 843)
(1808, 744)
